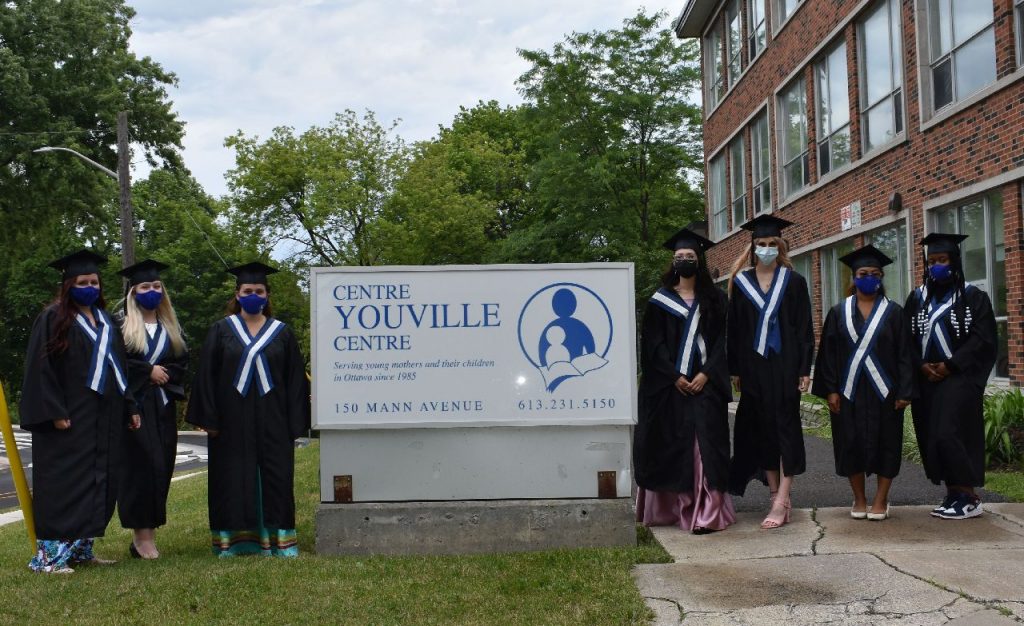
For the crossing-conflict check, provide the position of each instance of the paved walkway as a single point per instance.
(824, 567)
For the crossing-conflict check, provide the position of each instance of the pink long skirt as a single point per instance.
(700, 508)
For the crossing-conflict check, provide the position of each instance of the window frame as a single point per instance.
(988, 283)
(825, 137)
(786, 160)
(778, 19)
(893, 9)
(730, 54)
(718, 206)
(830, 278)
(904, 258)
(752, 29)
(932, 62)
(737, 174)
(1018, 10)
(714, 67)
(756, 166)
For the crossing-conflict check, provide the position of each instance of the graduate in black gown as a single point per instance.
(681, 441)
(75, 402)
(955, 339)
(252, 397)
(157, 363)
(865, 371)
(770, 347)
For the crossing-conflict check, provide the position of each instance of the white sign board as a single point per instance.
(456, 346)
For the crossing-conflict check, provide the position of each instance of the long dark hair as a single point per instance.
(67, 311)
(234, 307)
(961, 317)
(708, 295)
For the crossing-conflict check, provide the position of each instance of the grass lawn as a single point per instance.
(187, 585)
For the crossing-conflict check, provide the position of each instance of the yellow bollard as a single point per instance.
(20, 484)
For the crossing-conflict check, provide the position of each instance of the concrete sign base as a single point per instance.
(473, 527)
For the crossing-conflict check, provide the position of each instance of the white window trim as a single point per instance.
(862, 88)
(748, 123)
(926, 106)
(720, 13)
(908, 249)
(959, 107)
(1018, 30)
(740, 58)
(744, 168)
(750, 29)
(712, 227)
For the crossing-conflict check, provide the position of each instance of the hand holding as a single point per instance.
(805, 383)
(159, 375)
(902, 404)
(135, 422)
(63, 424)
(833, 402)
(683, 385)
(697, 384)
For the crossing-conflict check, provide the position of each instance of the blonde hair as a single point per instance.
(134, 326)
(744, 260)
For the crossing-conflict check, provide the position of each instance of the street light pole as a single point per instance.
(123, 178)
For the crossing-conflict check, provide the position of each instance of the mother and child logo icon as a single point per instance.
(572, 344)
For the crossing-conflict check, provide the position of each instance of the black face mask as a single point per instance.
(687, 268)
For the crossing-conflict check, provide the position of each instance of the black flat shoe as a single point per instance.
(134, 551)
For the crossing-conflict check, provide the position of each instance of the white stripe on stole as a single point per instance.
(863, 344)
(933, 326)
(769, 308)
(158, 350)
(253, 357)
(693, 336)
(101, 352)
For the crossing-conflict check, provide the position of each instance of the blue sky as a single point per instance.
(256, 64)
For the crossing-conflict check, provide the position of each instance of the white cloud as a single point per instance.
(252, 65)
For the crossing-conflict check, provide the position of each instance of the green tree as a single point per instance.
(462, 191)
(319, 192)
(615, 145)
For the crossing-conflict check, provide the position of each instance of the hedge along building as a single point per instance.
(871, 121)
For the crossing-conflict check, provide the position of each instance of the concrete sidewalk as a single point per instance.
(824, 567)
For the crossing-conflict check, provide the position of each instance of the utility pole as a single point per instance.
(125, 185)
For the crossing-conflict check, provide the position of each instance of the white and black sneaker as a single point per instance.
(964, 506)
(946, 503)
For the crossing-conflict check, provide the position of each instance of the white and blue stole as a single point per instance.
(156, 348)
(934, 330)
(692, 349)
(862, 358)
(767, 335)
(103, 360)
(254, 363)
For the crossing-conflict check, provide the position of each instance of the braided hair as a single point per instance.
(960, 316)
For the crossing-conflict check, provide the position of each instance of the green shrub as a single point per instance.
(1004, 417)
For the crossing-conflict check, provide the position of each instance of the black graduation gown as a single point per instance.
(255, 432)
(74, 471)
(867, 433)
(149, 452)
(948, 415)
(768, 416)
(669, 420)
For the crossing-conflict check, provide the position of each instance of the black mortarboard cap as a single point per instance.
(78, 263)
(943, 242)
(143, 272)
(252, 273)
(766, 226)
(686, 238)
(868, 256)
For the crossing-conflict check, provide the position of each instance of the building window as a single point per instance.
(737, 181)
(881, 72)
(983, 254)
(802, 265)
(714, 73)
(793, 123)
(892, 241)
(833, 112)
(757, 33)
(1019, 10)
(784, 9)
(962, 47)
(760, 164)
(734, 44)
(719, 201)
(836, 276)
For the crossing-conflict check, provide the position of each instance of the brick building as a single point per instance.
(869, 121)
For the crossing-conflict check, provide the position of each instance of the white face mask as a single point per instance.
(766, 254)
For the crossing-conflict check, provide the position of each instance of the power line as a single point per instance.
(77, 131)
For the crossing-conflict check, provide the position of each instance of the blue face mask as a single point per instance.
(868, 285)
(766, 254)
(85, 296)
(149, 300)
(252, 303)
(940, 273)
